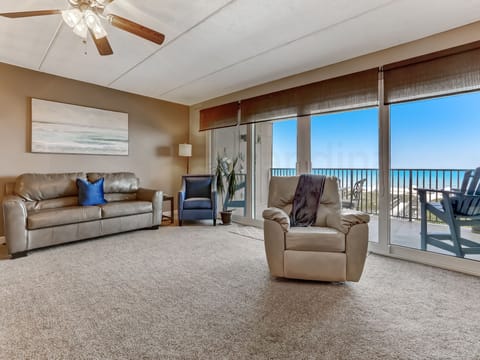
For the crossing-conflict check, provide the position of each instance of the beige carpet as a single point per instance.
(199, 292)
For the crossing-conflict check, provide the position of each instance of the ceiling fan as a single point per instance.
(84, 16)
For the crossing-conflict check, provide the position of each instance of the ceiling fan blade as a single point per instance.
(102, 44)
(136, 29)
(30, 13)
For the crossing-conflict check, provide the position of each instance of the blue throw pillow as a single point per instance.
(90, 193)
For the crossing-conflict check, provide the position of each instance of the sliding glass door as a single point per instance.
(231, 143)
(275, 153)
(345, 145)
(415, 126)
(433, 143)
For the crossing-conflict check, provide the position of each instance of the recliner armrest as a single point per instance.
(277, 215)
(350, 218)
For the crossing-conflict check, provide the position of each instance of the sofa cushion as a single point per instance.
(315, 238)
(35, 187)
(123, 208)
(117, 182)
(52, 203)
(90, 193)
(198, 187)
(197, 203)
(37, 219)
(120, 196)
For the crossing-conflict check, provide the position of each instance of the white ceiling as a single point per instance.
(215, 47)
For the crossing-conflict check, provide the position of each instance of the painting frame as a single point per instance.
(62, 128)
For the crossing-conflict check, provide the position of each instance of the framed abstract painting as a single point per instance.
(73, 129)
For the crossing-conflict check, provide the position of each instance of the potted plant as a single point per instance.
(226, 172)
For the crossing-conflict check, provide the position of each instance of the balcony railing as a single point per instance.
(403, 182)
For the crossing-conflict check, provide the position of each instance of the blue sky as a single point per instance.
(435, 133)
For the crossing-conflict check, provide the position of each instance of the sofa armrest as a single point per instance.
(277, 215)
(156, 197)
(15, 220)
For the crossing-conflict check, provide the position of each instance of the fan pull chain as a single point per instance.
(85, 45)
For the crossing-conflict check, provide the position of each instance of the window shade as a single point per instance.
(346, 92)
(451, 71)
(219, 116)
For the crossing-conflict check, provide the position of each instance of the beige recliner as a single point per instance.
(333, 249)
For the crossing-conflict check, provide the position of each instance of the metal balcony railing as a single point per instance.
(403, 184)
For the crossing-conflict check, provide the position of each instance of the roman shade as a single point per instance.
(353, 91)
(451, 71)
(357, 90)
(219, 116)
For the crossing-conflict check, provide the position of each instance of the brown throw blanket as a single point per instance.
(305, 202)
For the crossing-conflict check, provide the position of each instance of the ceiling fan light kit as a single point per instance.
(72, 17)
(85, 16)
(94, 24)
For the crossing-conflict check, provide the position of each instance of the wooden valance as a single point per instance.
(219, 116)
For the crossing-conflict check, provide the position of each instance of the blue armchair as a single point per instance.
(197, 199)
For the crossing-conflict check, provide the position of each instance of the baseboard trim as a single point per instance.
(448, 262)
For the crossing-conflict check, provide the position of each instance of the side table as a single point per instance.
(167, 197)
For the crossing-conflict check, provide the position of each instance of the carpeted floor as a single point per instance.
(199, 292)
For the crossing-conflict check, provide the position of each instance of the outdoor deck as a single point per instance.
(407, 233)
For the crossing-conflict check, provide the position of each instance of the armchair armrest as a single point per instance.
(15, 219)
(213, 198)
(279, 216)
(156, 197)
(422, 193)
(452, 191)
(181, 199)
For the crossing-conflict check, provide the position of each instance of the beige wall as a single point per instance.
(155, 130)
(458, 36)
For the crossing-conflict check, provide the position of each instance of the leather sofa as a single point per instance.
(333, 249)
(43, 209)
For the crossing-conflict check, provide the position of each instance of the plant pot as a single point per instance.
(226, 217)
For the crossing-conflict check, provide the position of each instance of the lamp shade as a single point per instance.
(185, 150)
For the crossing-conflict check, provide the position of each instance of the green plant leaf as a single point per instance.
(227, 182)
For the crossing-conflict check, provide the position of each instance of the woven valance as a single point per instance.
(446, 72)
(351, 91)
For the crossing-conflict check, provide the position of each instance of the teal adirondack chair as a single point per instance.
(458, 208)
